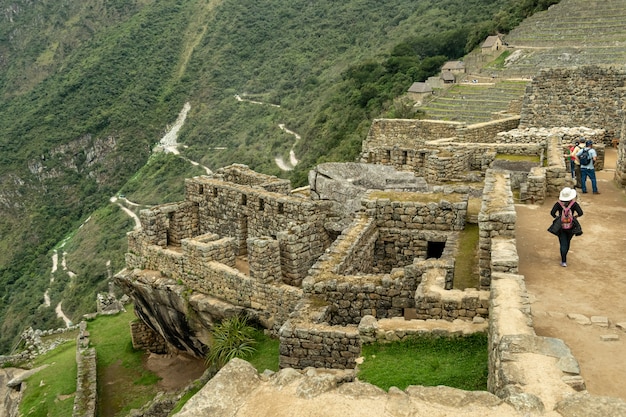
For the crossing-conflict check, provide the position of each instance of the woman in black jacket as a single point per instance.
(567, 201)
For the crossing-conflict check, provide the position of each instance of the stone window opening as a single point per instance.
(405, 157)
(281, 208)
(244, 200)
(200, 189)
(435, 249)
(215, 192)
(388, 155)
(261, 204)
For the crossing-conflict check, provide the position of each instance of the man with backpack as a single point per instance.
(587, 156)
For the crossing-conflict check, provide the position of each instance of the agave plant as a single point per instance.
(231, 338)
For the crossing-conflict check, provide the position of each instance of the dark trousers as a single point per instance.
(565, 237)
(591, 173)
(578, 175)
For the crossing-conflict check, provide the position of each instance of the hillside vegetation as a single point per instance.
(87, 88)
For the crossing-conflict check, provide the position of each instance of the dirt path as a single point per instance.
(593, 284)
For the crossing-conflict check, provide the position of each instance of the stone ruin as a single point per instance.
(368, 254)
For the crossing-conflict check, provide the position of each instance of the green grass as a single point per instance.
(466, 264)
(266, 352)
(123, 384)
(454, 362)
(50, 392)
(499, 61)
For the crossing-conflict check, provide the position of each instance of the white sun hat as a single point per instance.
(567, 194)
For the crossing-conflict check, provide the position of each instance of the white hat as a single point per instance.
(567, 194)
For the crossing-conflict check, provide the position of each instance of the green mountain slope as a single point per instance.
(87, 88)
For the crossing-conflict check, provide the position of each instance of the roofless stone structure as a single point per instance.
(327, 279)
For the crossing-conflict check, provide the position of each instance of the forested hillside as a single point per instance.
(88, 87)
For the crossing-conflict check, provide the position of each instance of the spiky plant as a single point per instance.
(232, 338)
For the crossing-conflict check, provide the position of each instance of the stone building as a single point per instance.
(491, 44)
(418, 91)
(327, 280)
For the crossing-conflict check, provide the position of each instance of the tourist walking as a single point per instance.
(587, 168)
(564, 207)
(574, 162)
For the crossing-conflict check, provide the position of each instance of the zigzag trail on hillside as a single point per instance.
(280, 162)
(169, 143)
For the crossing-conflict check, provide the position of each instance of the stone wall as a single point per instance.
(516, 354)
(312, 343)
(567, 96)
(242, 175)
(86, 383)
(396, 227)
(405, 133)
(496, 219)
(239, 212)
(486, 132)
(407, 223)
(620, 171)
(144, 338)
(436, 300)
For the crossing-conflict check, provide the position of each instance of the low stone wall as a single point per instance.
(620, 168)
(406, 133)
(516, 354)
(486, 132)
(352, 297)
(304, 344)
(234, 287)
(86, 383)
(497, 218)
(534, 191)
(144, 338)
(434, 301)
(243, 175)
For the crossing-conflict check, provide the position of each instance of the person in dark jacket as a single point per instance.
(567, 198)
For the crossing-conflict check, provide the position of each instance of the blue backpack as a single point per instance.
(584, 157)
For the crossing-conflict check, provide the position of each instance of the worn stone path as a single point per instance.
(583, 303)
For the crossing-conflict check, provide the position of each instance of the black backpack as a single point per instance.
(584, 157)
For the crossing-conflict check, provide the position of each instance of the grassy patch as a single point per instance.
(499, 61)
(123, 384)
(429, 361)
(466, 264)
(266, 352)
(50, 392)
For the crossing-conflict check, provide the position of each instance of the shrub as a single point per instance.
(232, 338)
